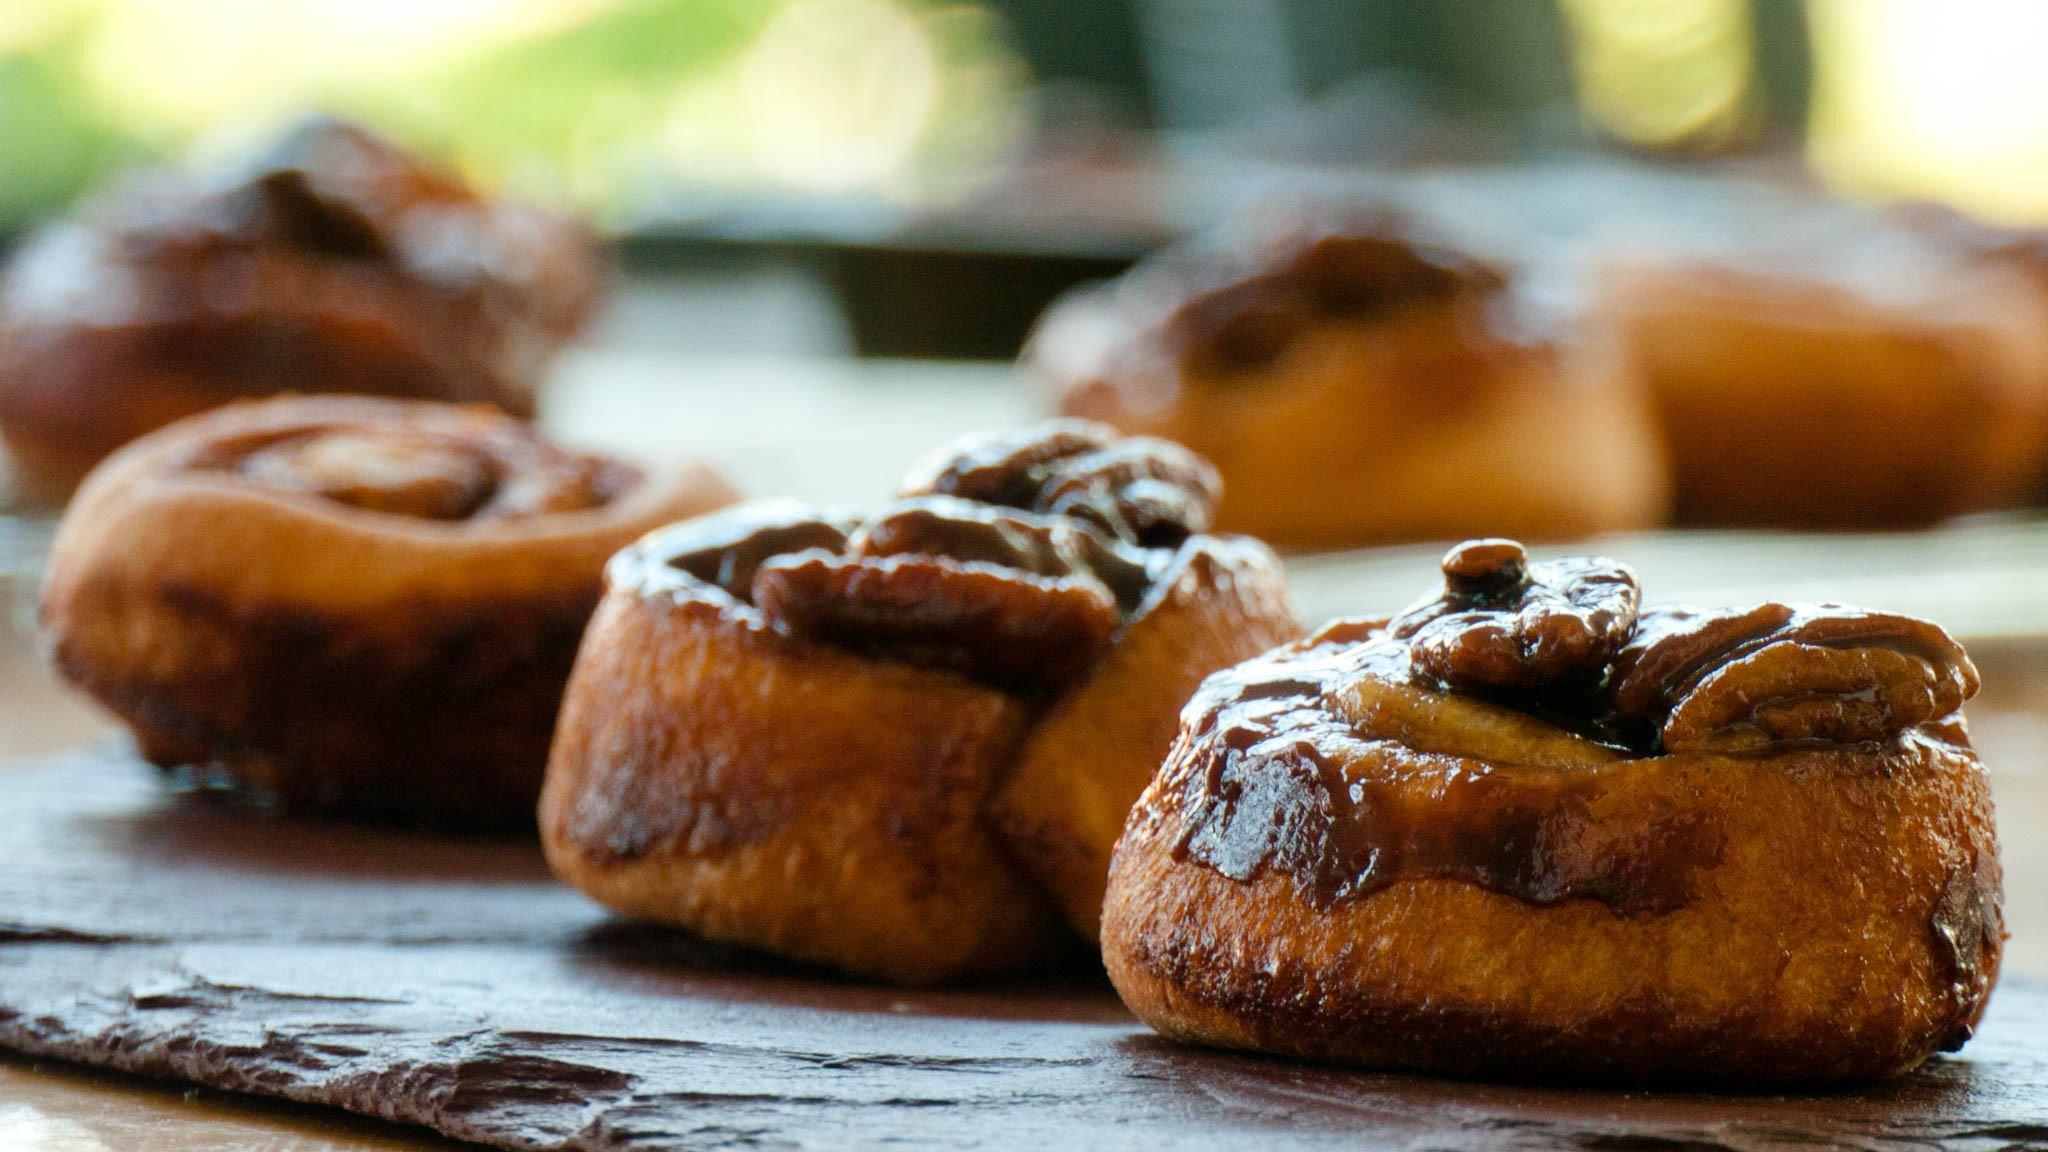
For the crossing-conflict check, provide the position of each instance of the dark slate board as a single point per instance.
(448, 983)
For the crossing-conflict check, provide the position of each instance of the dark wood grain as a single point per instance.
(448, 983)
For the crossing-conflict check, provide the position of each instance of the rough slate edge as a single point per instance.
(472, 997)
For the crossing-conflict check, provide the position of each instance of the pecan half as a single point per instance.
(1741, 682)
(1041, 545)
(1144, 490)
(1011, 598)
(1004, 626)
(1500, 622)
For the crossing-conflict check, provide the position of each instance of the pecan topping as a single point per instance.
(1011, 598)
(1355, 270)
(1147, 491)
(1044, 546)
(285, 208)
(1012, 559)
(1500, 622)
(996, 624)
(1328, 763)
(1745, 682)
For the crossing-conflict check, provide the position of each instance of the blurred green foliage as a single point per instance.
(606, 104)
(574, 109)
(54, 143)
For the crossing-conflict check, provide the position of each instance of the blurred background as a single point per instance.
(835, 222)
(822, 154)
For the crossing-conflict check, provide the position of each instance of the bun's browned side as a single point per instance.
(1756, 852)
(327, 655)
(1063, 803)
(771, 792)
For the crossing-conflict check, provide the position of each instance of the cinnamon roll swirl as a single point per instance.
(347, 605)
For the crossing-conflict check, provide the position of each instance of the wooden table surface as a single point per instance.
(833, 430)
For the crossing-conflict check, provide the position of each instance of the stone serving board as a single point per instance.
(449, 983)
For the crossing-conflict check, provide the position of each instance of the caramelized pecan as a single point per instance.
(992, 623)
(1147, 491)
(1742, 682)
(1012, 559)
(325, 189)
(1044, 546)
(1010, 598)
(1500, 622)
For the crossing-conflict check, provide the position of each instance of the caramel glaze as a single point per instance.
(1327, 762)
(1470, 738)
(1013, 560)
(1017, 600)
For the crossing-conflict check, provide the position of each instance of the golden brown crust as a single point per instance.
(1785, 399)
(1064, 801)
(1782, 971)
(1407, 411)
(773, 792)
(894, 744)
(332, 657)
(335, 264)
(1345, 859)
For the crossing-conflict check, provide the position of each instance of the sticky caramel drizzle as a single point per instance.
(1474, 736)
(1282, 782)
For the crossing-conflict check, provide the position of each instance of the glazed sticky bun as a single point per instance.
(345, 604)
(1356, 378)
(1528, 828)
(330, 262)
(902, 743)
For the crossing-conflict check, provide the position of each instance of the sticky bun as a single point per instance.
(347, 604)
(902, 744)
(331, 262)
(1356, 380)
(1796, 392)
(1530, 829)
